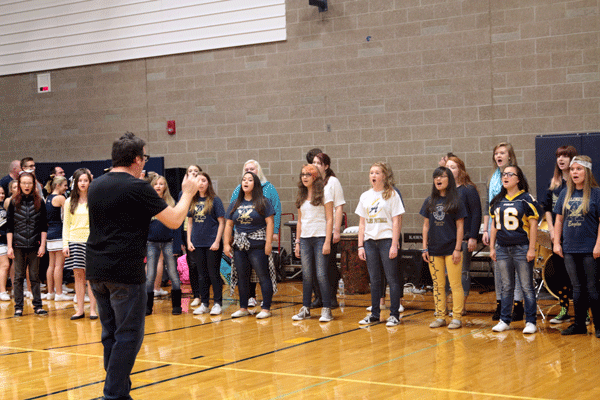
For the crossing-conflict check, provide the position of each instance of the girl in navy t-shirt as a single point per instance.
(442, 241)
(252, 215)
(206, 222)
(577, 222)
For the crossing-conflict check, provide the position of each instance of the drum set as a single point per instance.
(549, 269)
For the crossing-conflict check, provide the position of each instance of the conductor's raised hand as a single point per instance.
(190, 184)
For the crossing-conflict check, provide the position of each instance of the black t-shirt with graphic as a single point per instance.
(441, 239)
(247, 220)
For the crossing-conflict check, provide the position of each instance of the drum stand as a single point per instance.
(538, 284)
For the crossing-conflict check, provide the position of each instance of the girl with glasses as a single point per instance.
(512, 244)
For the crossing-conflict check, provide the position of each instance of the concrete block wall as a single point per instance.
(403, 81)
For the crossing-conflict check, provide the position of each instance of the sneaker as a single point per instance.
(563, 316)
(304, 313)
(86, 299)
(369, 319)
(48, 296)
(392, 321)
(63, 297)
(42, 285)
(215, 310)
(574, 330)
(455, 324)
(501, 327)
(40, 311)
(251, 302)
(27, 294)
(326, 315)
(438, 323)
(263, 314)
(67, 289)
(598, 333)
(240, 313)
(530, 328)
(316, 303)
(160, 292)
(401, 309)
(203, 309)
(195, 303)
(4, 296)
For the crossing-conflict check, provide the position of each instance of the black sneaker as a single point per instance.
(369, 319)
(574, 330)
(316, 303)
(563, 316)
(40, 311)
(598, 333)
(518, 311)
(496, 316)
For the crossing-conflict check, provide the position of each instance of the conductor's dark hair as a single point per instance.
(126, 148)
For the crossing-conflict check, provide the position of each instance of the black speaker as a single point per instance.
(415, 269)
(174, 176)
(322, 4)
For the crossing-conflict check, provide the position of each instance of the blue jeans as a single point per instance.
(208, 263)
(121, 308)
(153, 252)
(377, 253)
(511, 260)
(312, 257)
(583, 272)
(257, 259)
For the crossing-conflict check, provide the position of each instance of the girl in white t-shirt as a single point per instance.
(313, 238)
(380, 211)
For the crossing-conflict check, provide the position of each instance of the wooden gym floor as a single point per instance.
(216, 357)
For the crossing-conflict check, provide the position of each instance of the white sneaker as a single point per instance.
(63, 297)
(392, 321)
(215, 310)
(251, 302)
(240, 313)
(28, 294)
(326, 315)
(530, 328)
(86, 299)
(263, 314)
(160, 292)
(381, 307)
(67, 289)
(4, 296)
(42, 285)
(195, 303)
(401, 309)
(501, 327)
(201, 310)
(304, 313)
(48, 296)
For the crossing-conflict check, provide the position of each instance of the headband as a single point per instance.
(312, 170)
(581, 162)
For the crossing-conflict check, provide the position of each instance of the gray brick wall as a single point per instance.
(434, 76)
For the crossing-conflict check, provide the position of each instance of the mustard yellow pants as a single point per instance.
(438, 265)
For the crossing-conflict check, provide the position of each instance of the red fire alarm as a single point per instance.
(171, 127)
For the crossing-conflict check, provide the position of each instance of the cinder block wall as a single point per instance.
(403, 81)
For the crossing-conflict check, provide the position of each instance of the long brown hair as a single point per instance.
(75, 194)
(463, 175)
(18, 196)
(588, 183)
(512, 158)
(388, 182)
(210, 196)
(318, 191)
(567, 151)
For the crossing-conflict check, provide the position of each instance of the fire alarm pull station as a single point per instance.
(171, 127)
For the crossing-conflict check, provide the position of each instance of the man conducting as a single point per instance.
(120, 208)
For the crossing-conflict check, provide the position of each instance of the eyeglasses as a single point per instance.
(305, 175)
(508, 174)
(146, 157)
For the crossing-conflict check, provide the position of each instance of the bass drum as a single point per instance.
(555, 277)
